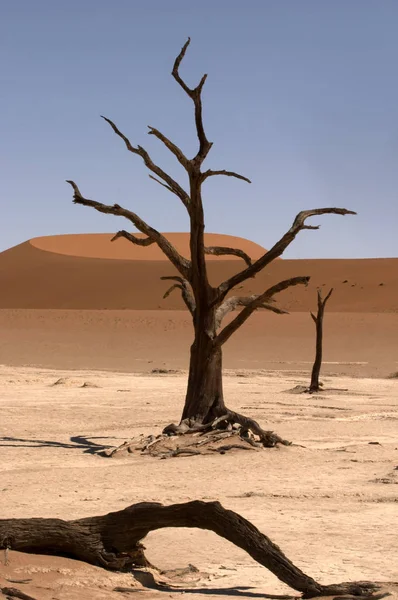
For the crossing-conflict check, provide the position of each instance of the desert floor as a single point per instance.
(330, 502)
(357, 344)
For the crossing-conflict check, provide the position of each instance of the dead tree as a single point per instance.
(208, 305)
(113, 541)
(318, 320)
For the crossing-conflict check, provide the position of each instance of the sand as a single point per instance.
(82, 310)
(331, 505)
(356, 344)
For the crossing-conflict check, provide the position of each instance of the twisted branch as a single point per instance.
(229, 329)
(133, 238)
(114, 541)
(210, 173)
(226, 251)
(279, 247)
(185, 288)
(182, 264)
(196, 95)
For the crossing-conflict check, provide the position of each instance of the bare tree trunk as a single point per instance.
(318, 320)
(113, 540)
(204, 399)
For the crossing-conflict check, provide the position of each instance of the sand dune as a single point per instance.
(97, 245)
(88, 272)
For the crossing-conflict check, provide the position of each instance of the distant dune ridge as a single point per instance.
(97, 245)
(87, 271)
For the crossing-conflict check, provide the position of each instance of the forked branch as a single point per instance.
(186, 292)
(182, 264)
(265, 297)
(196, 95)
(315, 385)
(170, 183)
(233, 303)
(298, 225)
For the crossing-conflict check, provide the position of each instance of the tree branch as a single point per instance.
(234, 325)
(278, 248)
(180, 156)
(140, 151)
(113, 541)
(234, 302)
(226, 251)
(148, 241)
(326, 297)
(185, 288)
(182, 264)
(196, 95)
(321, 305)
(210, 173)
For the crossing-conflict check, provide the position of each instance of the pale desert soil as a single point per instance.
(331, 505)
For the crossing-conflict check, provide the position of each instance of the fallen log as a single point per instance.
(113, 541)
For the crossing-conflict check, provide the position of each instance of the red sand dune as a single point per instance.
(88, 272)
(97, 245)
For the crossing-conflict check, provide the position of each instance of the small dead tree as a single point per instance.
(113, 541)
(315, 386)
(208, 305)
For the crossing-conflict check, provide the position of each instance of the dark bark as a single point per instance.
(10, 593)
(114, 540)
(318, 320)
(204, 398)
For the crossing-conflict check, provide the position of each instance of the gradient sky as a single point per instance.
(301, 97)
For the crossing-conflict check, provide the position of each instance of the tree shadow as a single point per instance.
(148, 581)
(236, 591)
(77, 442)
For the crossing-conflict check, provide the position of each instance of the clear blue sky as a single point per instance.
(301, 97)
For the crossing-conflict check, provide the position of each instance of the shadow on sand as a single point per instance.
(77, 442)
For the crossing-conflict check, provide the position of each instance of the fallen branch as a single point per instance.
(114, 540)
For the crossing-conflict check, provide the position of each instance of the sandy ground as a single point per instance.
(331, 505)
(83, 309)
(355, 344)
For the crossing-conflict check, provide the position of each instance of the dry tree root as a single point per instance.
(268, 439)
(192, 439)
(113, 541)
(11, 593)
